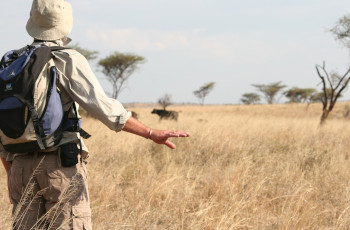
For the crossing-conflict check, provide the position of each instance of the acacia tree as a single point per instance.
(250, 98)
(165, 101)
(307, 94)
(299, 95)
(336, 83)
(293, 94)
(118, 67)
(270, 91)
(203, 91)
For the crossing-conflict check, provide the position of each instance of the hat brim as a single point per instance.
(48, 34)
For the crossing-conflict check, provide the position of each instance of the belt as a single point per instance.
(44, 152)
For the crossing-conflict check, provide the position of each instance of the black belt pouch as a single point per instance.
(69, 154)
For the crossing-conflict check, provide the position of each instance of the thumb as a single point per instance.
(170, 144)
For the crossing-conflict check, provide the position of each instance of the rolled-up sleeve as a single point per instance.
(82, 86)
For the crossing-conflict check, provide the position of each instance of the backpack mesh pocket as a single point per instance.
(14, 117)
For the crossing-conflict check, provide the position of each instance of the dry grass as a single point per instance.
(244, 167)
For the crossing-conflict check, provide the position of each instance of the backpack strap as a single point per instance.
(84, 134)
(41, 56)
(39, 131)
(16, 53)
(81, 131)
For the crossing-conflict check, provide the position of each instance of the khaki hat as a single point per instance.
(50, 19)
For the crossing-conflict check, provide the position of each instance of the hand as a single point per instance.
(158, 136)
(161, 137)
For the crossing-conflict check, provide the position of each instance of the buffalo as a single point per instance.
(165, 114)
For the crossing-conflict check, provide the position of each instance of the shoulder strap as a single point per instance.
(81, 131)
(40, 57)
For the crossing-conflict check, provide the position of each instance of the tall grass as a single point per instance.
(244, 167)
(32, 199)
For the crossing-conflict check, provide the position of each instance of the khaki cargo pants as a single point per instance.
(46, 195)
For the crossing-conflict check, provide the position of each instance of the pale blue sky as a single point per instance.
(189, 43)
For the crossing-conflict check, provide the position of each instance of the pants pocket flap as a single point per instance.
(81, 217)
(81, 211)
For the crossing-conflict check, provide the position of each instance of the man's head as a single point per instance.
(50, 19)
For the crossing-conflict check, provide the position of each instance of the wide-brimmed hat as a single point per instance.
(50, 19)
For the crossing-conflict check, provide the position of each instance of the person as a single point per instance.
(51, 203)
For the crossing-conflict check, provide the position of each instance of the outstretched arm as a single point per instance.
(158, 136)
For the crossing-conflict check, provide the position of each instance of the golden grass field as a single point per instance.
(244, 167)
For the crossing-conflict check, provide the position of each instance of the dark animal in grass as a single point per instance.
(165, 114)
(134, 115)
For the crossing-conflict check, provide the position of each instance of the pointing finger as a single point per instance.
(178, 134)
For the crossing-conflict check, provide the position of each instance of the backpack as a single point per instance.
(31, 111)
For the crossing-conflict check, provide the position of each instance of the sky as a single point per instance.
(188, 43)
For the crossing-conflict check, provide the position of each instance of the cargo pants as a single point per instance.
(46, 195)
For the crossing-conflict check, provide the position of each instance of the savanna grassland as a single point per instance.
(244, 167)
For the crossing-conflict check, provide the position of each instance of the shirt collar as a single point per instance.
(59, 42)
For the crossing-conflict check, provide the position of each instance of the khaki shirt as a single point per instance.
(77, 83)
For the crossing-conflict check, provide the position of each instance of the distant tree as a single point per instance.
(337, 84)
(342, 30)
(293, 94)
(307, 94)
(319, 96)
(270, 91)
(118, 67)
(88, 54)
(203, 91)
(299, 95)
(250, 98)
(165, 101)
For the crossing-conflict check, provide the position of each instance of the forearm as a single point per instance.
(6, 164)
(136, 127)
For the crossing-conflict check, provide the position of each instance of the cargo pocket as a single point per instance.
(81, 217)
(59, 182)
(16, 183)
